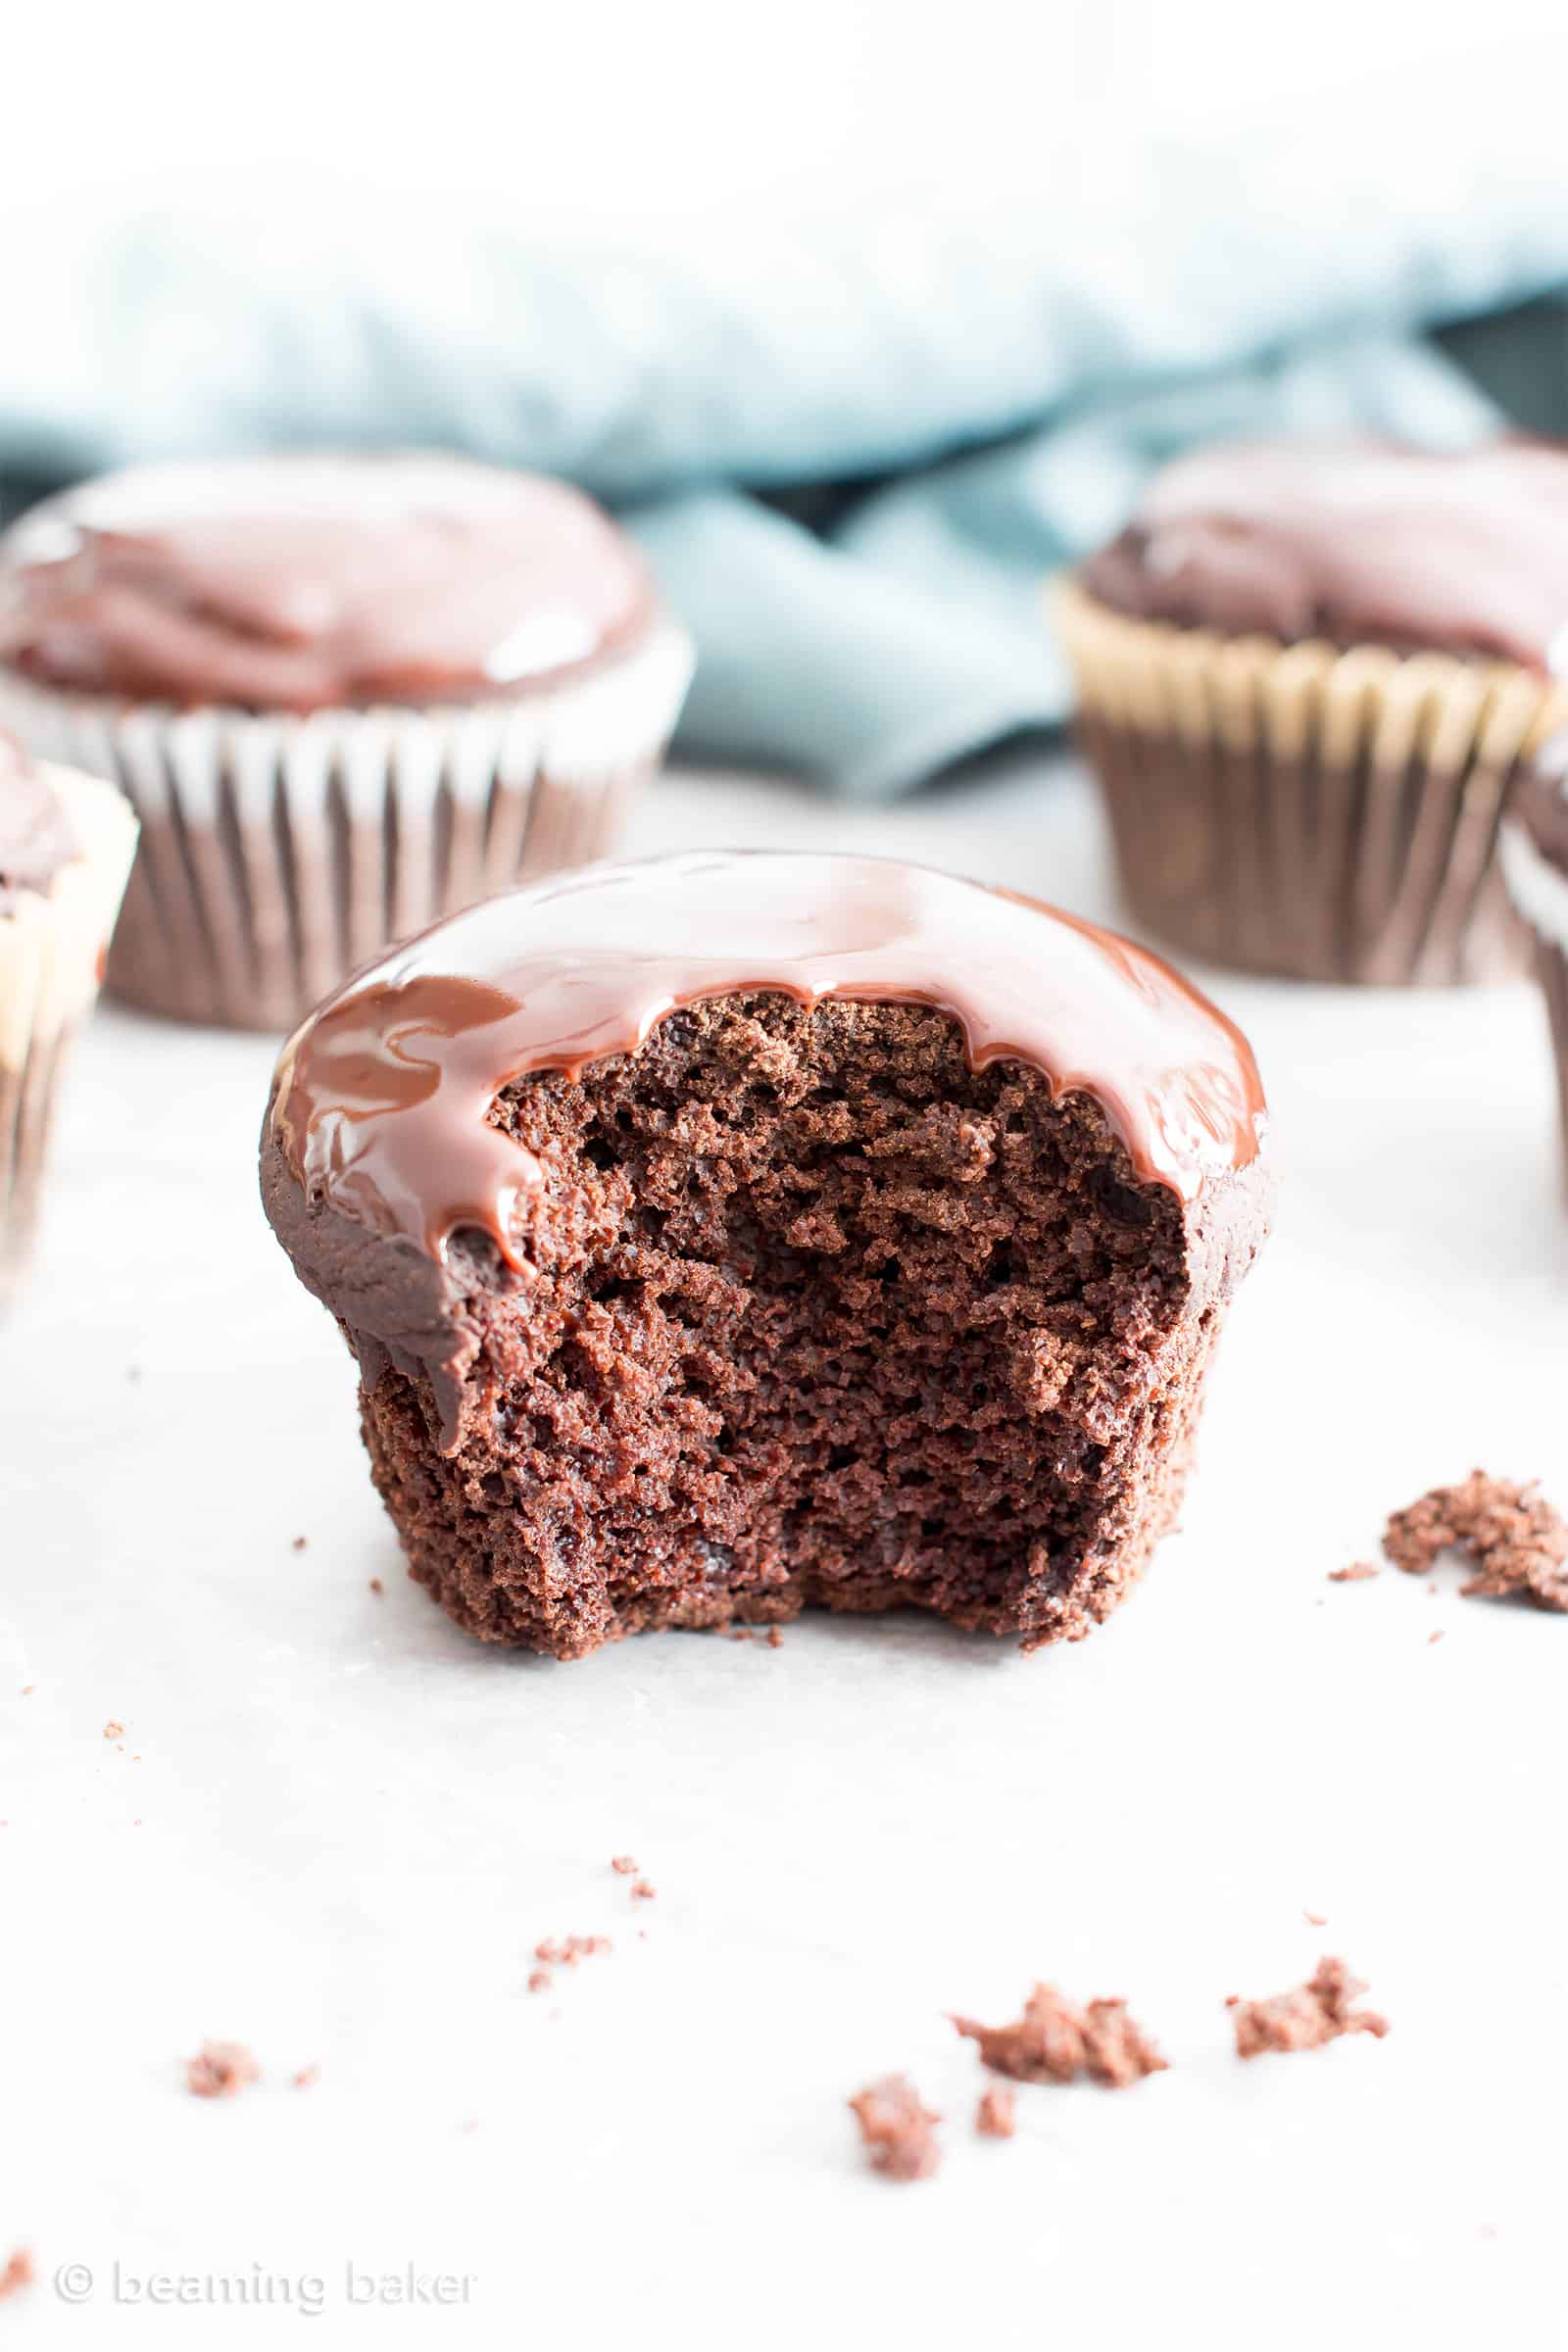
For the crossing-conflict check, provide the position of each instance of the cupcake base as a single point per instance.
(1553, 966)
(1304, 811)
(26, 1113)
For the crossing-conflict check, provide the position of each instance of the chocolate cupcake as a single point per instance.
(729, 1233)
(65, 846)
(345, 695)
(1307, 676)
(1535, 860)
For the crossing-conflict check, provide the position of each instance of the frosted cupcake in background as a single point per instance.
(345, 694)
(1308, 677)
(65, 847)
(1535, 858)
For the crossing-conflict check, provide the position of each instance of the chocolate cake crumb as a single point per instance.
(624, 1865)
(1316, 2012)
(376, 1585)
(1356, 1574)
(996, 2115)
(114, 1730)
(540, 1981)
(17, 2273)
(981, 1403)
(899, 2133)
(1055, 2042)
(299, 1542)
(1117, 2052)
(1518, 1541)
(220, 2071)
(641, 1891)
(567, 1951)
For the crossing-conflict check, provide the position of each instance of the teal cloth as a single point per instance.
(853, 452)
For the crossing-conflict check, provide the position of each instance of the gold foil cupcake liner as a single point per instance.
(1305, 810)
(52, 947)
(279, 852)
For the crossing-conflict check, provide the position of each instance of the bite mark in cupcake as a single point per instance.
(735, 1233)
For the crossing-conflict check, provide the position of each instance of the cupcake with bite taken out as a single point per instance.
(727, 1233)
(345, 694)
(1309, 675)
(65, 846)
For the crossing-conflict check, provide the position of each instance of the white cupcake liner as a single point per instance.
(279, 852)
(52, 945)
(1323, 814)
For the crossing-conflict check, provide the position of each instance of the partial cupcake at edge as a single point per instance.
(729, 1233)
(65, 847)
(344, 694)
(1309, 675)
(1535, 858)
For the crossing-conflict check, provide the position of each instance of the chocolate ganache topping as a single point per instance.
(378, 1131)
(1355, 542)
(35, 834)
(303, 583)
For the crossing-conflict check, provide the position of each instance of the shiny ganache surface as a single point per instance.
(308, 582)
(35, 834)
(1356, 542)
(381, 1101)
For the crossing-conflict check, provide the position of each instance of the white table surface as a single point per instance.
(335, 1827)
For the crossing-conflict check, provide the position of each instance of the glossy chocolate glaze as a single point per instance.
(303, 583)
(35, 834)
(1355, 542)
(378, 1150)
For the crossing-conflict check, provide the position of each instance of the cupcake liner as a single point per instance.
(26, 1113)
(1301, 810)
(51, 950)
(279, 852)
(1539, 891)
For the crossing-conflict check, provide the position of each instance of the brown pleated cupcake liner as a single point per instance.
(1538, 889)
(26, 1113)
(1304, 810)
(277, 854)
(1552, 966)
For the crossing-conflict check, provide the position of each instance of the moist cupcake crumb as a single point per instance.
(16, 2272)
(1516, 1539)
(220, 2070)
(1314, 2013)
(1055, 2041)
(1355, 1574)
(897, 2130)
(995, 2117)
(567, 1951)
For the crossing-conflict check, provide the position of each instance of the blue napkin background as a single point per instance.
(854, 448)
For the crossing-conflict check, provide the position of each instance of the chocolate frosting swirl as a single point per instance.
(303, 583)
(378, 1129)
(1355, 542)
(35, 834)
